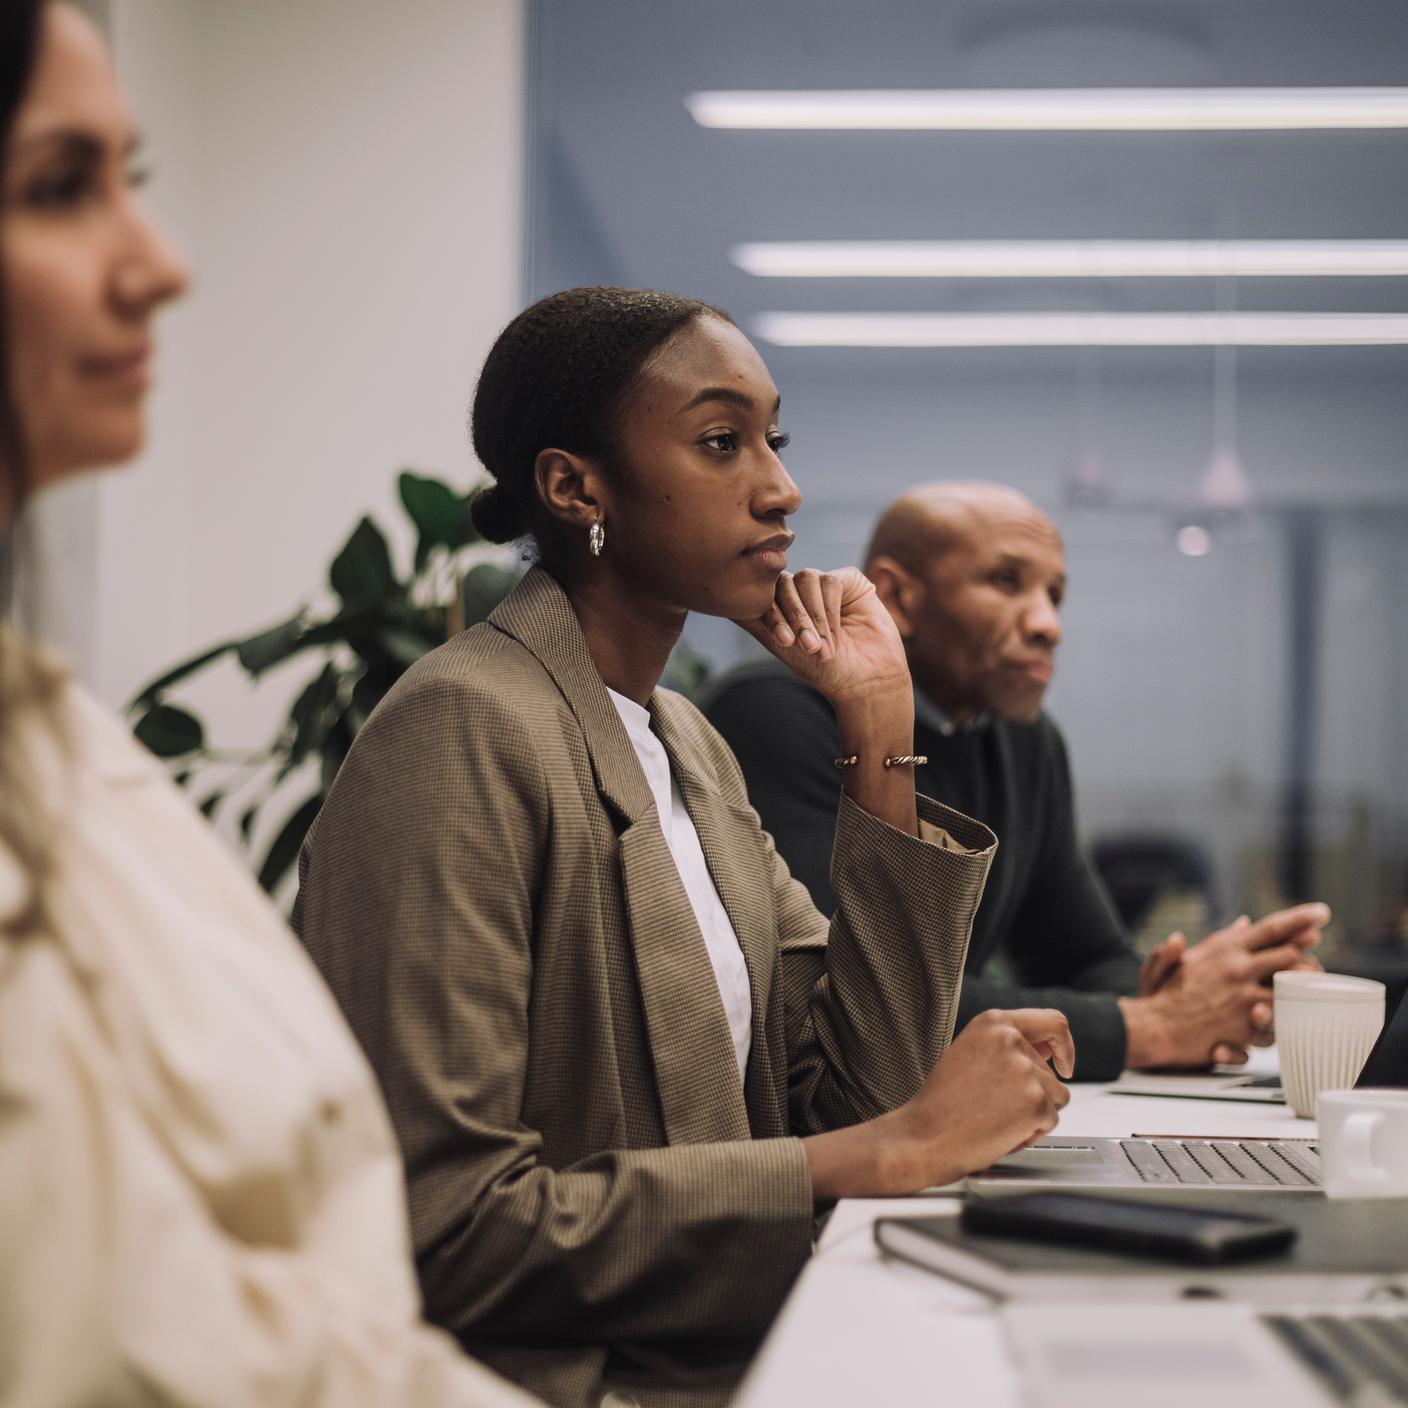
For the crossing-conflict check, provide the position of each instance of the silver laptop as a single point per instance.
(1168, 1356)
(1186, 1165)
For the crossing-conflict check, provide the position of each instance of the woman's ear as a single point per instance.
(569, 488)
(898, 589)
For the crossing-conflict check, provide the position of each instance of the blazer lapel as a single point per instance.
(728, 837)
(690, 1042)
(538, 615)
(691, 1047)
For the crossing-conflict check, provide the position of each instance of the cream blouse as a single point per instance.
(201, 1199)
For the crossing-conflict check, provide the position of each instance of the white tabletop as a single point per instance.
(857, 1329)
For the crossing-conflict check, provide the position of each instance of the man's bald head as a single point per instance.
(973, 574)
(932, 519)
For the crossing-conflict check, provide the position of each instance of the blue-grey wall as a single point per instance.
(1173, 682)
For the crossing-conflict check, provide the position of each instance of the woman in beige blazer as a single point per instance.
(200, 1195)
(617, 1135)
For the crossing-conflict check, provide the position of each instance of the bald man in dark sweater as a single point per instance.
(973, 575)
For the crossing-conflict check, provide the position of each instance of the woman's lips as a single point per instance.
(774, 559)
(771, 552)
(132, 370)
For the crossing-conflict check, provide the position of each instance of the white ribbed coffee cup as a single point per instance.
(1326, 1025)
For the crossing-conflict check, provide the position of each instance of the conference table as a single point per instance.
(862, 1329)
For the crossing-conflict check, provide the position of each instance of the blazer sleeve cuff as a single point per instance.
(942, 826)
(950, 857)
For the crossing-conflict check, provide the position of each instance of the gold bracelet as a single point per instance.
(898, 760)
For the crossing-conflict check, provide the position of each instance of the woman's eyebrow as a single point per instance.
(76, 142)
(727, 394)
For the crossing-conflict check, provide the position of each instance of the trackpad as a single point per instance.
(1049, 1157)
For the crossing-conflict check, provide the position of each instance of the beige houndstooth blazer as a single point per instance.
(596, 1204)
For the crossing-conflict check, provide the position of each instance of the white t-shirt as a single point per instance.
(730, 971)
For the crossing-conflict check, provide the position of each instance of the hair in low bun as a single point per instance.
(556, 379)
(496, 517)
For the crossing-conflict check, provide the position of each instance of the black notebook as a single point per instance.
(1344, 1251)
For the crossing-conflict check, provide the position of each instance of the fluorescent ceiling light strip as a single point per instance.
(1071, 259)
(1067, 109)
(1081, 329)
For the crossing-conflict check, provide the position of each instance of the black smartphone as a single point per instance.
(1123, 1225)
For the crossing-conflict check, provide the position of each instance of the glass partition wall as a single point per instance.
(1147, 263)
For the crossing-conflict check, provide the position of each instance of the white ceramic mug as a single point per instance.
(1326, 1025)
(1364, 1143)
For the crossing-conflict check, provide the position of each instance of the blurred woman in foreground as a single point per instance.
(202, 1200)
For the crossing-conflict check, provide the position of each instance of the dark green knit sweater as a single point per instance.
(1043, 912)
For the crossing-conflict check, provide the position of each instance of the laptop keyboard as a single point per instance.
(1361, 1359)
(1228, 1163)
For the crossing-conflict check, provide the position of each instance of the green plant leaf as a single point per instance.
(310, 714)
(207, 807)
(440, 515)
(367, 693)
(177, 673)
(351, 626)
(485, 587)
(169, 732)
(361, 573)
(336, 746)
(269, 648)
(283, 850)
(405, 647)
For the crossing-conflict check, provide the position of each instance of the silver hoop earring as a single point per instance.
(596, 538)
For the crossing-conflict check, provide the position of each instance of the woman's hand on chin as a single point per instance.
(833, 630)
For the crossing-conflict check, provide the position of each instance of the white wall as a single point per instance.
(345, 178)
